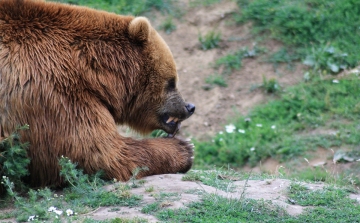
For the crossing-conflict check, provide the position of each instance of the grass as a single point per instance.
(278, 129)
(322, 33)
(127, 7)
(197, 3)
(326, 205)
(83, 195)
(216, 79)
(168, 25)
(210, 40)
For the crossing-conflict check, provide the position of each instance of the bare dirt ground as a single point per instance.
(215, 107)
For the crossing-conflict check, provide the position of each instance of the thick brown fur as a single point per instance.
(72, 74)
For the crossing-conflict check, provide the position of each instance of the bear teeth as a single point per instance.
(172, 119)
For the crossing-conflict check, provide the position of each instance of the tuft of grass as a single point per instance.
(323, 33)
(216, 79)
(210, 40)
(233, 61)
(168, 25)
(270, 86)
(162, 200)
(197, 3)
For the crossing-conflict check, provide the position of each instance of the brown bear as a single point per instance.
(72, 74)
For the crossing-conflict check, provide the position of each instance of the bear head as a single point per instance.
(160, 104)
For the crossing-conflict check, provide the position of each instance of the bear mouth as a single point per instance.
(172, 125)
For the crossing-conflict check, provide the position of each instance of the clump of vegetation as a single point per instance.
(216, 79)
(270, 86)
(168, 25)
(84, 193)
(210, 40)
(14, 159)
(323, 33)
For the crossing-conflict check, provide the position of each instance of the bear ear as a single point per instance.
(139, 29)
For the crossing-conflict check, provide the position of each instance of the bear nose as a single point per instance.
(190, 108)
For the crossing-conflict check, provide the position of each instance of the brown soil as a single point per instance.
(215, 107)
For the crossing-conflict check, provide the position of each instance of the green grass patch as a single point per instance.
(216, 79)
(210, 40)
(127, 7)
(326, 205)
(215, 208)
(83, 195)
(279, 128)
(323, 33)
(197, 3)
(233, 61)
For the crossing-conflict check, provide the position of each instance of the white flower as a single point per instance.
(221, 139)
(252, 149)
(221, 132)
(241, 131)
(335, 81)
(58, 212)
(69, 212)
(31, 218)
(51, 209)
(230, 128)
(273, 126)
(55, 195)
(259, 125)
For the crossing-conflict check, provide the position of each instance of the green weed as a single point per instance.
(216, 79)
(210, 40)
(233, 61)
(14, 159)
(87, 190)
(270, 86)
(162, 200)
(168, 25)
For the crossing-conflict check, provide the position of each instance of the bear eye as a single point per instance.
(171, 85)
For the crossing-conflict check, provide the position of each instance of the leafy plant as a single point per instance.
(14, 159)
(326, 58)
(210, 40)
(270, 86)
(87, 190)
